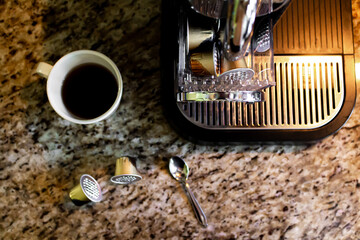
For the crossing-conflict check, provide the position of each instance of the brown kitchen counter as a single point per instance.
(247, 191)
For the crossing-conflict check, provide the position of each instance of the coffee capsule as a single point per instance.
(87, 190)
(198, 36)
(227, 65)
(205, 63)
(125, 172)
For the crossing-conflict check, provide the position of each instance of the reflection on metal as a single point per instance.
(240, 96)
(309, 93)
(314, 27)
(210, 8)
(205, 63)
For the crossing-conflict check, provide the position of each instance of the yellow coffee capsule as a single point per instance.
(125, 172)
(87, 190)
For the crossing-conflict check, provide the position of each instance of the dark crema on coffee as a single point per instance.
(89, 90)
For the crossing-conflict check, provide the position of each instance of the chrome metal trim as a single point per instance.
(240, 96)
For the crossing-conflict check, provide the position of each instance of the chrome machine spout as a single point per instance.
(239, 27)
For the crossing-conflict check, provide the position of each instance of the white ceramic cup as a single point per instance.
(56, 75)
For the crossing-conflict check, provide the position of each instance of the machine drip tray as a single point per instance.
(309, 93)
(314, 73)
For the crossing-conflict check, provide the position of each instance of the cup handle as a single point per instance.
(43, 69)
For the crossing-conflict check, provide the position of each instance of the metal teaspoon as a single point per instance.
(180, 171)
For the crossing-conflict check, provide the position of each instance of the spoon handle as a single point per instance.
(200, 215)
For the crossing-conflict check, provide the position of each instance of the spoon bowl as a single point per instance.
(180, 171)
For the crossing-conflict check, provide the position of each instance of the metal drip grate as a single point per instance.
(313, 26)
(309, 93)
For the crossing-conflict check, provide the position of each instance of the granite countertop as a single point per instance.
(247, 192)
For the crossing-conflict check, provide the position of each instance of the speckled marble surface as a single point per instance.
(247, 192)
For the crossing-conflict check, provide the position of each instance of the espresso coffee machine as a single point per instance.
(257, 70)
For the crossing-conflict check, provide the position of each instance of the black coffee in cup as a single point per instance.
(89, 90)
